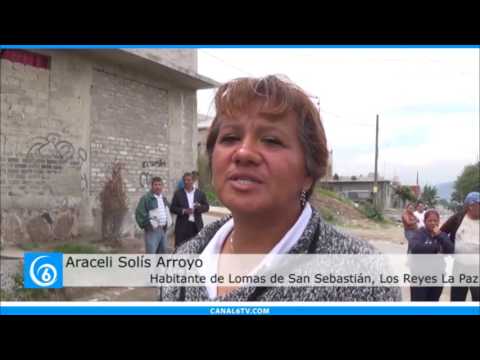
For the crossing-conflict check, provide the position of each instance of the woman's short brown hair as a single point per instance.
(277, 98)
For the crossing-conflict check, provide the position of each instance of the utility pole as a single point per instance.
(418, 188)
(375, 179)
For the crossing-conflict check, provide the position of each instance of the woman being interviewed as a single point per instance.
(267, 148)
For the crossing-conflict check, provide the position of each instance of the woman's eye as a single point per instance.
(272, 141)
(228, 138)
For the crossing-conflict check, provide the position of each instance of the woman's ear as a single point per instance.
(307, 184)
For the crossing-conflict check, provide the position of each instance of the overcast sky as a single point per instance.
(427, 100)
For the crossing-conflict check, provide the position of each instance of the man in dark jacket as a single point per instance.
(188, 204)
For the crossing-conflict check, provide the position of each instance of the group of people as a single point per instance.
(460, 234)
(153, 213)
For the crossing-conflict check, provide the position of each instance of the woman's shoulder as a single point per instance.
(201, 240)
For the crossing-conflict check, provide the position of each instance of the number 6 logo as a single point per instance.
(47, 273)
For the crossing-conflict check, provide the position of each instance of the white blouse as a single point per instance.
(282, 247)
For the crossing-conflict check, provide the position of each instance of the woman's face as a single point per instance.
(410, 208)
(431, 222)
(258, 164)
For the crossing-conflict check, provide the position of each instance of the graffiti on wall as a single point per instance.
(83, 183)
(82, 154)
(53, 146)
(82, 157)
(156, 163)
(145, 179)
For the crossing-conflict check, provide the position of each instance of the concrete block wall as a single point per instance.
(61, 130)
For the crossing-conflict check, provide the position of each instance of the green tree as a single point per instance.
(405, 193)
(452, 206)
(430, 195)
(205, 180)
(467, 182)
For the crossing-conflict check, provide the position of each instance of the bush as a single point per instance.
(328, 215)
(77, 249)
(204, 176)
(19, 293)
(29, 246)
(212, 197)
(205, 181)
(370, 212)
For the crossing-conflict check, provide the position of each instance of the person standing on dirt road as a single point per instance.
(420, 213)
(464, 231)
(429, 240)
(410, 224)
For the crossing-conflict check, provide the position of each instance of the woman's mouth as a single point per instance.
(244, 182)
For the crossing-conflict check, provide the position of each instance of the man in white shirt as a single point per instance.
(420, 213)
(153, 216)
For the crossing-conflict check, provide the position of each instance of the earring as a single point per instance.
(303, 198)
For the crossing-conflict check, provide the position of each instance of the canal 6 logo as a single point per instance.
(43, 270)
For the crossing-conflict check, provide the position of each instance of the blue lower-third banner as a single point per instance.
(219, 310)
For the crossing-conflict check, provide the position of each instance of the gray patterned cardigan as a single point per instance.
(317, 238)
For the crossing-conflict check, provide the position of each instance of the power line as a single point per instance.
(322, 110)
(227, 63)
(311, 96)
(366, 124)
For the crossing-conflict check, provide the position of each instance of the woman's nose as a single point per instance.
(247, 153)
